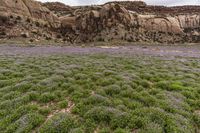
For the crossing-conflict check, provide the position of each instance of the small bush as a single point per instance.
(112, 90)
(196, 119)
(176, 86)
(44, 111)
(163, 85)
(97, 99)
(63, 104)
(47, 97)
(151, 128)
(60, 123)
(120, 130)
(26, 123)
(104, 114)
(22, 87)
(106, 81)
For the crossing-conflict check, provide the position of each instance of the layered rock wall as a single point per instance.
(28, 8)
(127, 21)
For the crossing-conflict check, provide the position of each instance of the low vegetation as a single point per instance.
(99, 94)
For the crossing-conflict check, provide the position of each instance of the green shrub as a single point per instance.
(97, 99)
(146, 84)
(108, 72)
(127, 93)
(176, 86)
(151, 128)
(61, 123)
(34, 96)
(120, 121)
(132, 104)
(120, 130)
(4, 83)
(112, 90)
(80, 76)
(106, 81)
(22, 87)
(105, 130)
(155, 115)
(44, 111)
(102, 114)
(11, 95)
(63, 104)
(26, 123)
(47, 97)
(196, 119)
(163, 85)
(77, 130)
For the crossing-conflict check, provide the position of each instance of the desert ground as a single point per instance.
(146, 50)
(138, 89)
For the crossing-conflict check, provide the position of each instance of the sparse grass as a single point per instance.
(99, 93)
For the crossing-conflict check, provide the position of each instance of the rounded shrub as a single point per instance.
(26, 123)
(63, 104)
(47, 97)
(151, 128)
(102, 114)
(112, 90)
(60, 123)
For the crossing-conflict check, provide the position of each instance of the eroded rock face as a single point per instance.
(28, 8)
(96, 24)
(189, 20)
(59, 8)
(160, 24)
(128, 21)
(113, 21)
(19, 18)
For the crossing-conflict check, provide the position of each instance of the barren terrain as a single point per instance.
(162, 51)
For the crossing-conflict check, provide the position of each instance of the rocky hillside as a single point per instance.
(128, 21)
(27, 19)
(59, 8)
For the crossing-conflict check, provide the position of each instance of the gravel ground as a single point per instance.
(163, 51)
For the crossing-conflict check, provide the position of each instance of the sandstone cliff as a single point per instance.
(26, 18)
(58, 8)
(128, 21)
(27, 8)
(122, 21)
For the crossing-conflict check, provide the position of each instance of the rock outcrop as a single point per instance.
(132, 21)
(28, 8)
(59, 9)
(26, 19)
(112, 21)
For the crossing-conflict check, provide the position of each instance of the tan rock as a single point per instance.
(189, 21)
(28, 8)
(68, 22)
(162, 24)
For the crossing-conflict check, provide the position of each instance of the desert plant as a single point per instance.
(59, 123)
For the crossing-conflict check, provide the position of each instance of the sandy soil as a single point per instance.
(165, 51)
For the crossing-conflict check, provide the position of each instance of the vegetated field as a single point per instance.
(99, 93)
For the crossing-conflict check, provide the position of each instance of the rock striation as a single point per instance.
(26, 19)
(121, 21)
(132, 21)
(27, 8)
